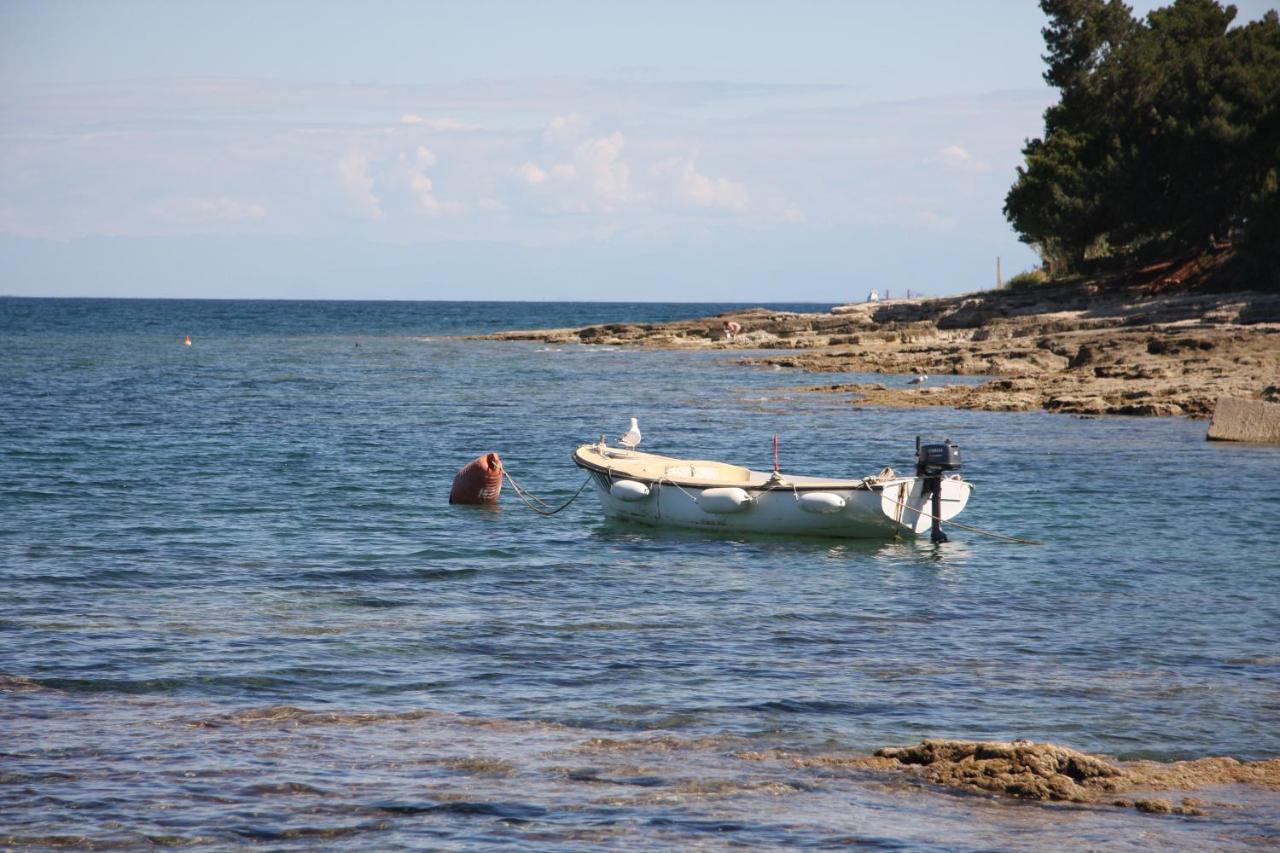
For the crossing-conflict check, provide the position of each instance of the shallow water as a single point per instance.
(206, 550)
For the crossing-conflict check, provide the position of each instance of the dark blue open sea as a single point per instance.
(237, 608)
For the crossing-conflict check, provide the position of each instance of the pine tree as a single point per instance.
(1165, 138)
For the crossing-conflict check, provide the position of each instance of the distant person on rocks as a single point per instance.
(731, 329)
(873, 296)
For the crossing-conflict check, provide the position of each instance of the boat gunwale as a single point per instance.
(847, 485)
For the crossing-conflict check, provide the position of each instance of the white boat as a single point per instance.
(695, 493)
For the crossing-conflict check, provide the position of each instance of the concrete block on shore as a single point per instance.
(1235, 419)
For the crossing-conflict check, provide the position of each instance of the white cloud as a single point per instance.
(689, 186)
(599, 162)
(770, 162)
(208, 210)
(353, 174)
(956, 157)
(564, 129)
(595, 178)
(530, 173)
(442, 124)
(423, 191)
(425, 158)
(422, 187)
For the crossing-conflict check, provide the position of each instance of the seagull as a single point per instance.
(919, 380)
(632, 438)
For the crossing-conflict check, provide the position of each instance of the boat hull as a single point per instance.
(884, 510)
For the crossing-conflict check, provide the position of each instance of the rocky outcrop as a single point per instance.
(1077, 349)
(1048, 772)
(1245, 420)
(1022, 769)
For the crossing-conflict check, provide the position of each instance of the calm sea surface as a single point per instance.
(237, 607)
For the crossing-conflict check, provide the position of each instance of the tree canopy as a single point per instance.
(1165, 138)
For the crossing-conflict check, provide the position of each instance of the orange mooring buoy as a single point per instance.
(479, 481)
(186, 342)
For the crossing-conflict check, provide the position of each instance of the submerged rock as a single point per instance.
(1050, 773)
(1022, 769)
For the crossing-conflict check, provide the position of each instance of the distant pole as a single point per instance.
(999, 278)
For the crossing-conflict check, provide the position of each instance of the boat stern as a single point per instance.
(908, 505)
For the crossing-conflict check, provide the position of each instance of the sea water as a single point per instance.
(237, 607)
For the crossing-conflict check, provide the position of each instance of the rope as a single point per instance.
(664, 479)
(520, 492)
(969, 527)
(523, 493)
(765, 489)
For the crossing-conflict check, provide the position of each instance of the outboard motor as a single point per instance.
(932, 460)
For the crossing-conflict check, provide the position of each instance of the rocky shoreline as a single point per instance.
(1087, 348)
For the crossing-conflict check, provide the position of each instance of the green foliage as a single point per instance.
(1027, 278)
(1166, 137)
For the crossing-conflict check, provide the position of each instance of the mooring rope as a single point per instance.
(525, 493)
(968, 527)
(664, 479)
(521, 492)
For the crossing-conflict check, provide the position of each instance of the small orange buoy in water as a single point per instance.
(479, 481)
(186, 342)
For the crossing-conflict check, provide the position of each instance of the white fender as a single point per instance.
(629, 490)
(821, 503)
(722, 501)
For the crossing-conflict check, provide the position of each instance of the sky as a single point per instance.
(658, 151)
